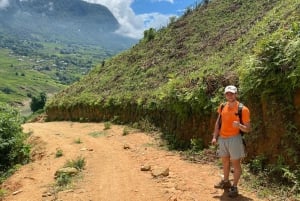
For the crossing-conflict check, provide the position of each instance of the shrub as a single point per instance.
(77, 141)
(59, 153)
(63, 179)
(13, 149)
(125, 131)
(107, 125)
(149, 34)
(38, 102)
(78, 163)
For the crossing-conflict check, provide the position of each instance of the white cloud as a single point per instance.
(133, 25)
(4, 3)
(171, 1)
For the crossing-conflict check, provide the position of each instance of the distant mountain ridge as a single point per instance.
(64, 20)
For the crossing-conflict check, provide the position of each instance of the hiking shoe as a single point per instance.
(233, 191)
(223, 184)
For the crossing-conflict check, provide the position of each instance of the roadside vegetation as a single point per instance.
(14, 151)
(71, 170)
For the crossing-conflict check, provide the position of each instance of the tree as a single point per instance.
(149, 34)
(38, 102)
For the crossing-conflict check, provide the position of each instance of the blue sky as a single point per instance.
(175, 7)
(135, 16)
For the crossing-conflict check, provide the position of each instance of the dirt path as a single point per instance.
(112, 173)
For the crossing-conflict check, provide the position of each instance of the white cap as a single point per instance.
(230, 88)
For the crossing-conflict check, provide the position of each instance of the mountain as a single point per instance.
(175, 77)
(72, 21)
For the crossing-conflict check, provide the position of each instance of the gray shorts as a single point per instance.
(232, 147)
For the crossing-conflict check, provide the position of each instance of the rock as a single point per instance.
(86, 149)
(145, 168)
(68, 170)
(160, 172)
(126, 146)
(17, 192)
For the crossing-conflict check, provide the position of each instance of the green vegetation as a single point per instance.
(107, 125)
(13, 149)
(65, 178)
(38, 102)
(98, 134)
(78, 163)
(19, 80)
(126, 131)
(32, 67)
(59, 153)
(174, 80)
(2, 193)
(77, 141)
(276, 181)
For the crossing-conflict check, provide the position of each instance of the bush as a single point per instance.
(38, 102)
(79, 163)
(107, 125)
(13, 149)
(149, 34)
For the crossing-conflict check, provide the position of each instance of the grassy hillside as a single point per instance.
(31, 67)
(18, 79)
(174, 78)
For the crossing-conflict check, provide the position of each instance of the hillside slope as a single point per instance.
(174, 78)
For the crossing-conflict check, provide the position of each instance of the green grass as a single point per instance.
(63, 180)
(47, 67)
(2, 193)
(126, 131)
(59, 153)
(78, 141)
(107, 125)
(96, 134)
(18, 79)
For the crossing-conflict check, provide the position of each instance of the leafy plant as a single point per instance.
(197, 144)
(59, 153)
(39, 102)
(107, 125)
(2, 193)
(79, 163)
(149, 34)
(63, 179)
(13, 149)
(126, 131)
(258, 164)
(78, 141)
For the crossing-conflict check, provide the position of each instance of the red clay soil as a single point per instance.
(113, 168)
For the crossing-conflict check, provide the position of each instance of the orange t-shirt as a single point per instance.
(229, 115)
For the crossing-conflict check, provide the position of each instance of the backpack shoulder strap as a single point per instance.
(222, 106)
(220, 115)
(240, 109)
